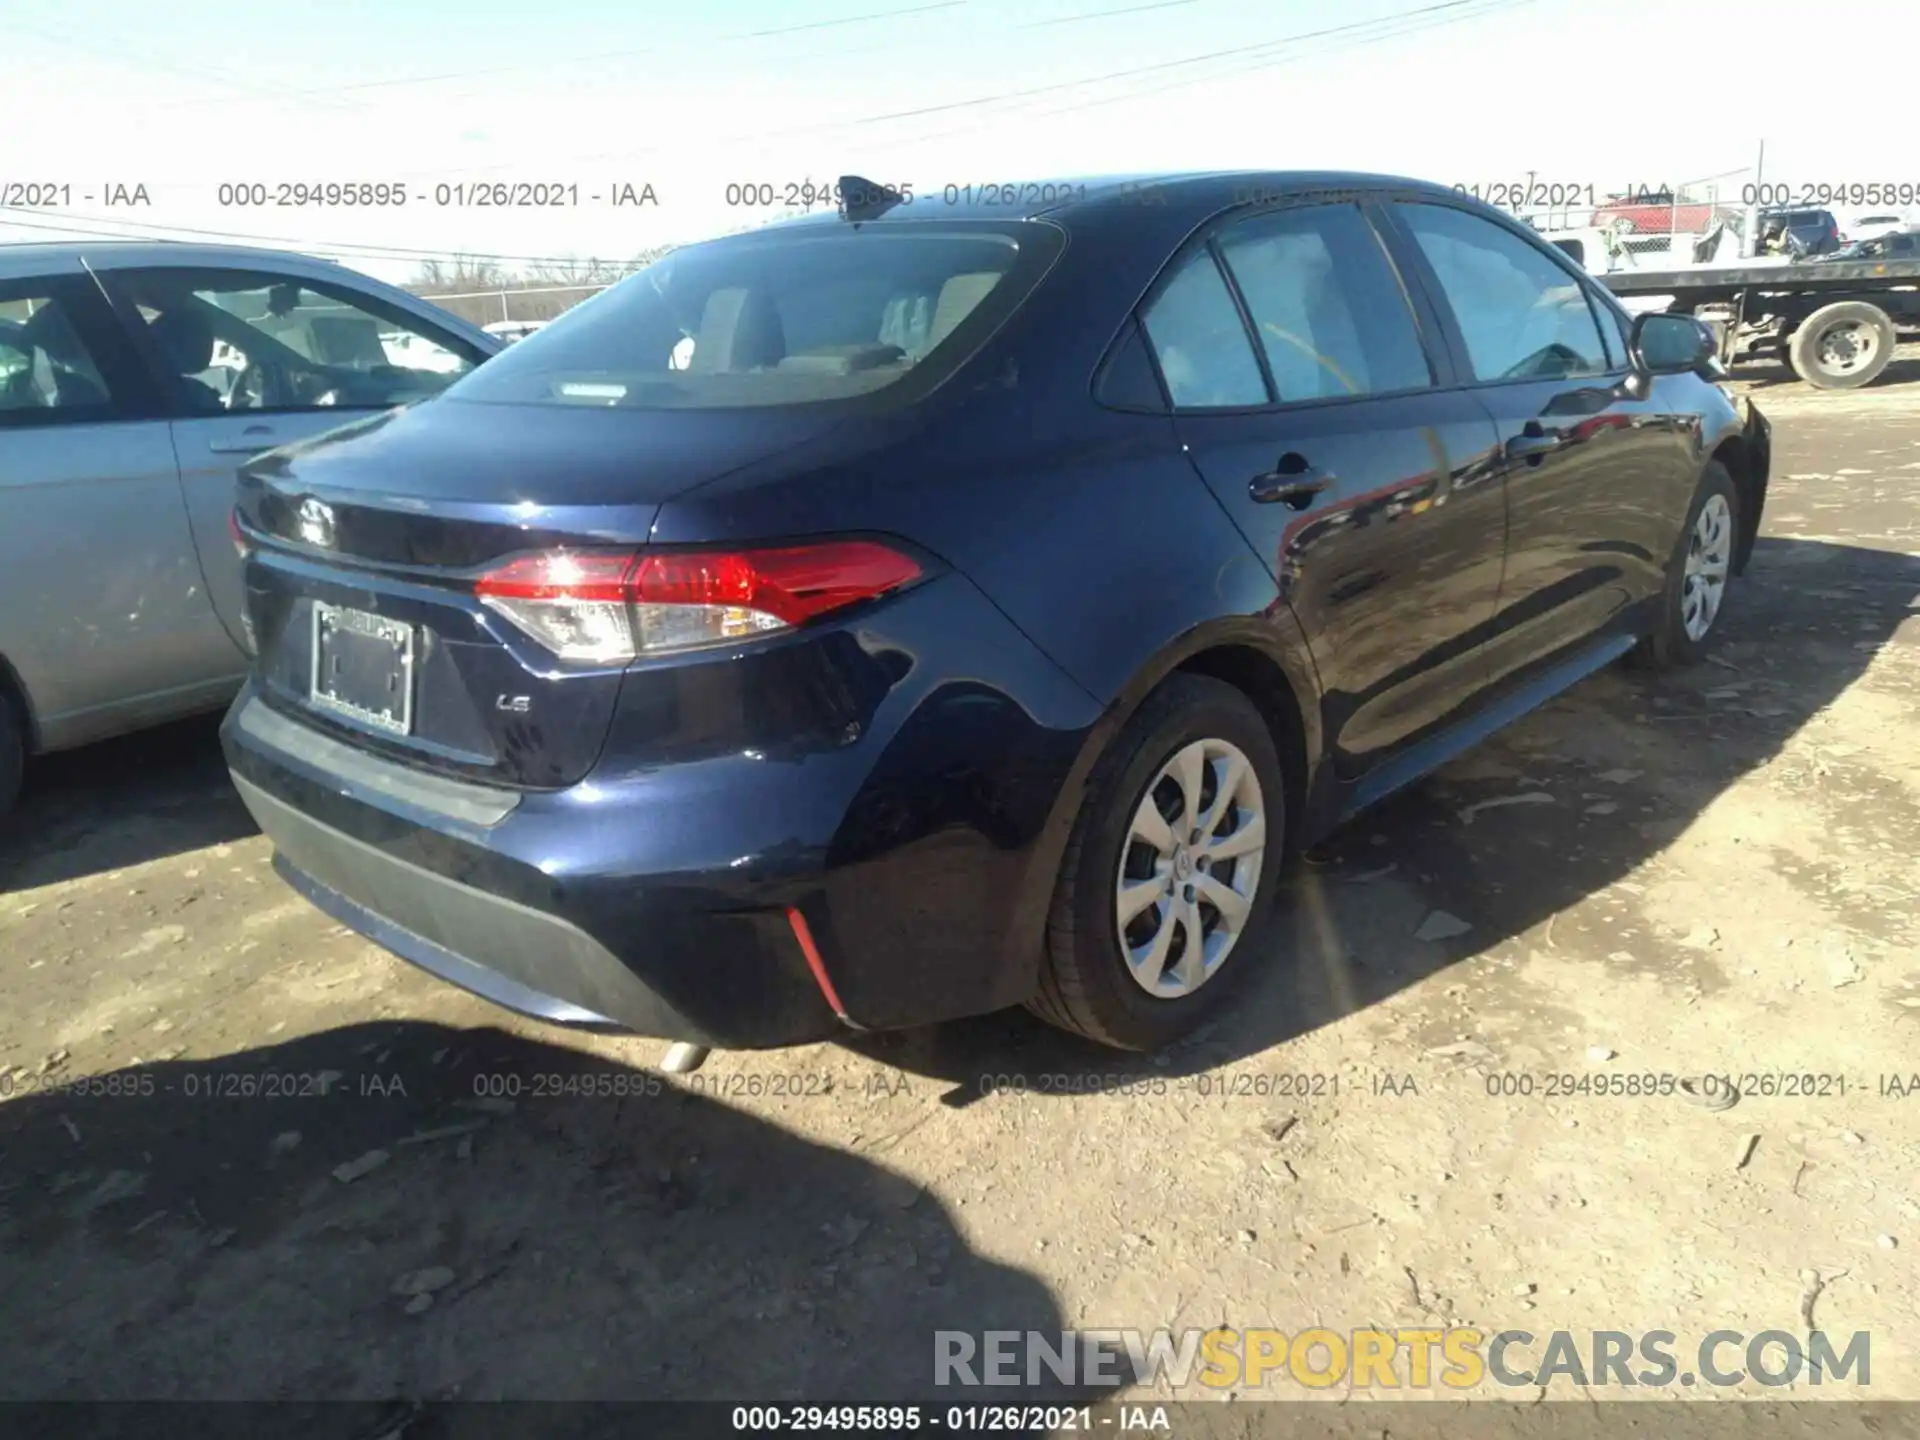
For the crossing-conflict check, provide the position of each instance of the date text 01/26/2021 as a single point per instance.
(898, 1419)
(1532, 194)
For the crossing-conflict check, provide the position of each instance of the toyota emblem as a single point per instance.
(316, 522)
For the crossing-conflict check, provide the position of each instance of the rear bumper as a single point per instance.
(469, 884)
(517, 957)
(918, 846)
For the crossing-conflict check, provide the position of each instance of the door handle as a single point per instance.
(249, 441)
(1293, 482)
(1533, 441)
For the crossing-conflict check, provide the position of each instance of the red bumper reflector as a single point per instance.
(814, 963)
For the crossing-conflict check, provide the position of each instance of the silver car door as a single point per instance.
(103, 610)
(252, 359)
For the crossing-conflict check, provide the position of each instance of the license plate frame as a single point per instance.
(361, 632)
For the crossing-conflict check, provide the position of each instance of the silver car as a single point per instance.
(134, 379)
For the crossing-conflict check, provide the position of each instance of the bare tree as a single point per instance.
(460, 272)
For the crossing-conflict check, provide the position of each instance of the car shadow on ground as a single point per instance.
(119, 803)
(1628, 760)
(583, 1230)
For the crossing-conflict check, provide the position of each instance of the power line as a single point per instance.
(148, 62)
(1490, 7)
(1261, 55)
(399, 81)
(524, 67)
(850, 20)
(826, 127)
(1238, 50)
(1105, 14)
(841, 53)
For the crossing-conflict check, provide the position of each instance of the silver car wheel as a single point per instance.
(1709, 556)
(1190, 868)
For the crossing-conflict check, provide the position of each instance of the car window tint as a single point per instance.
(1522, 316)
(242, 340)
(1198, 338)
(44, 364)
(1327, 306)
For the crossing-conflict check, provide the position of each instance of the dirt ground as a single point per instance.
(1708, 873)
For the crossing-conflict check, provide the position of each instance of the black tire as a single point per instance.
(1668, 646)
(13, 750)
(1804, 349)
(1085, 985)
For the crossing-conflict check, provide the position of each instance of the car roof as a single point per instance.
(66, 257)
(1066, 198)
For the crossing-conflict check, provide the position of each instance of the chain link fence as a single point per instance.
(1699, 223)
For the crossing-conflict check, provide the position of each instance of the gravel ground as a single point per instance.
(1713, 872)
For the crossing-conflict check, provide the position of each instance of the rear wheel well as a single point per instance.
(1732, 453)
(1262, 681)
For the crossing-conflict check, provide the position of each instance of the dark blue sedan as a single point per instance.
(965, 600)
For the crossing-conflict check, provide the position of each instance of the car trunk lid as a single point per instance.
(366, 546)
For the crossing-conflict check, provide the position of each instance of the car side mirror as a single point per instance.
(1664, 344)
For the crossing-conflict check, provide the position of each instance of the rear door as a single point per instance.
(1597, 483)
(248, 360)
(1364, 483)
(103, 610)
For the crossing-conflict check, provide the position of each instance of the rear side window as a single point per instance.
(1521, 315)
(49, 373)
(1326, 304)
(787, 317)
(221, 340)
(1197, 336)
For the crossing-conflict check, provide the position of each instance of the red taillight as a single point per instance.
(597, 605)
(792, 585)
(240, 545)
(563, 575)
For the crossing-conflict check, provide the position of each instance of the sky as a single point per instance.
(433, 95)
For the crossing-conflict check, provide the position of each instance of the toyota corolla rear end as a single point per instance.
(671, 790)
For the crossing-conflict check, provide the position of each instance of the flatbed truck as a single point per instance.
(1835, 321)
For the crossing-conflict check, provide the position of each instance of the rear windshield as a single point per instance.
(790, 317)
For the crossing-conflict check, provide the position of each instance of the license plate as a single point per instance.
(363, 667)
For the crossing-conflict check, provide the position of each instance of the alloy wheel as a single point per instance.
(1709, 555)
(1190, 868)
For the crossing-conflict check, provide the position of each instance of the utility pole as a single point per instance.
(1753, 211)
